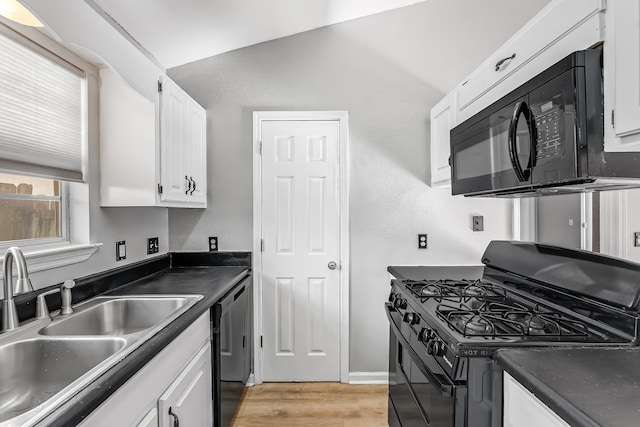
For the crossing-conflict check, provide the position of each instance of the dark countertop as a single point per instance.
(427, 272)
(213, 282)
(586, 386)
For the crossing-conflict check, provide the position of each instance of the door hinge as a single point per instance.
(260, 341)
(613, 118)
(261, 245)
(159, 189)
(159, 85)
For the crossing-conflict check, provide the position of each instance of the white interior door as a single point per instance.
(301, 241)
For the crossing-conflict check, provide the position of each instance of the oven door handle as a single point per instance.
(446, 389)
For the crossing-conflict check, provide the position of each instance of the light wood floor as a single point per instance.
(313, 404)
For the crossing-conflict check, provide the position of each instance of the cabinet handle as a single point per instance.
(503, 60)
(188, 185)
(176, 420)
(194, 185)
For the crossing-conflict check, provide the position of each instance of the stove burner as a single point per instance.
(474, 291)
(430, 291)
(477, 326)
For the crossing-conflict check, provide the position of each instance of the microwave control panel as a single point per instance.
(548, 118)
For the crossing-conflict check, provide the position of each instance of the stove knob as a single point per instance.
(439, 348)
(392, 296)
(425, 334)
(411, 318)
(403, 303)
(397, 302)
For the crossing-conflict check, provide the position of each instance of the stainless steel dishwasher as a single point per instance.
(231, 326)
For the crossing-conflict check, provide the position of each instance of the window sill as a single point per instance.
(57, 256)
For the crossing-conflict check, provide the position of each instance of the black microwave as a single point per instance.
(545, 137)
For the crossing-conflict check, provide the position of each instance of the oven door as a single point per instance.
(419, 397)
(495, 153)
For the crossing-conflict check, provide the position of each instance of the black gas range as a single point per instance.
(444, 331)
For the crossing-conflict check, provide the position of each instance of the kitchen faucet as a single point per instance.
(9, 314)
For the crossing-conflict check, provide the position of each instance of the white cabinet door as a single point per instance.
(627, 66)
(442, 121)
(188, 399)
(182, 148)
(559, 29)
(622, 76)
(196, 164)
(173, 143)
(523, 409)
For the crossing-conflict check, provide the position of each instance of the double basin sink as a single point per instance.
(43, 363)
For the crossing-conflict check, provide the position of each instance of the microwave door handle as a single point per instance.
(521, 108)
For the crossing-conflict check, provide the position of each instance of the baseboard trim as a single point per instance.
(251, 381)
(369, 377)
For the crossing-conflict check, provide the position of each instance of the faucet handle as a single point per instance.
(42, 311)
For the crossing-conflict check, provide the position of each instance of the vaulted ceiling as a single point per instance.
(176, 32)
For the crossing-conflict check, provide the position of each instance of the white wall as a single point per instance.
(387, 70)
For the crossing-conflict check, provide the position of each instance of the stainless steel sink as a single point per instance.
(43, 363)
(35, 370)
(121, 316)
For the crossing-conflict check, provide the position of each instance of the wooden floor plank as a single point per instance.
(313, 404)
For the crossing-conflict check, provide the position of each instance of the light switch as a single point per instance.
(121, 250)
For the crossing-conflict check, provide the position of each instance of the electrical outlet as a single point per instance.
(213, 244)
(478, 223)
(121, 250)
(636, 239)
(152, 245)
(422, 241)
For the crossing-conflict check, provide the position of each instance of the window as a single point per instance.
(30, 208)
(44, 128)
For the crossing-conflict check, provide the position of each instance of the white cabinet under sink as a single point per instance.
(178, 377)
(151, 153)
(523, 409)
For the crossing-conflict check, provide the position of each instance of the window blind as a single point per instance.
(42, 119)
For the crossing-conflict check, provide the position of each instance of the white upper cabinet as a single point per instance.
(151, 153)
(442, 121)
(182, 147)
(562, 27)
(622, 76)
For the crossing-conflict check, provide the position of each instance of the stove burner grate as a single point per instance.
(455, 290)
(512, 319)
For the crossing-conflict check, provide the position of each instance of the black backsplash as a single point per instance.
(99, 283)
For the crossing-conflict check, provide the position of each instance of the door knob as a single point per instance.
(332, 265)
